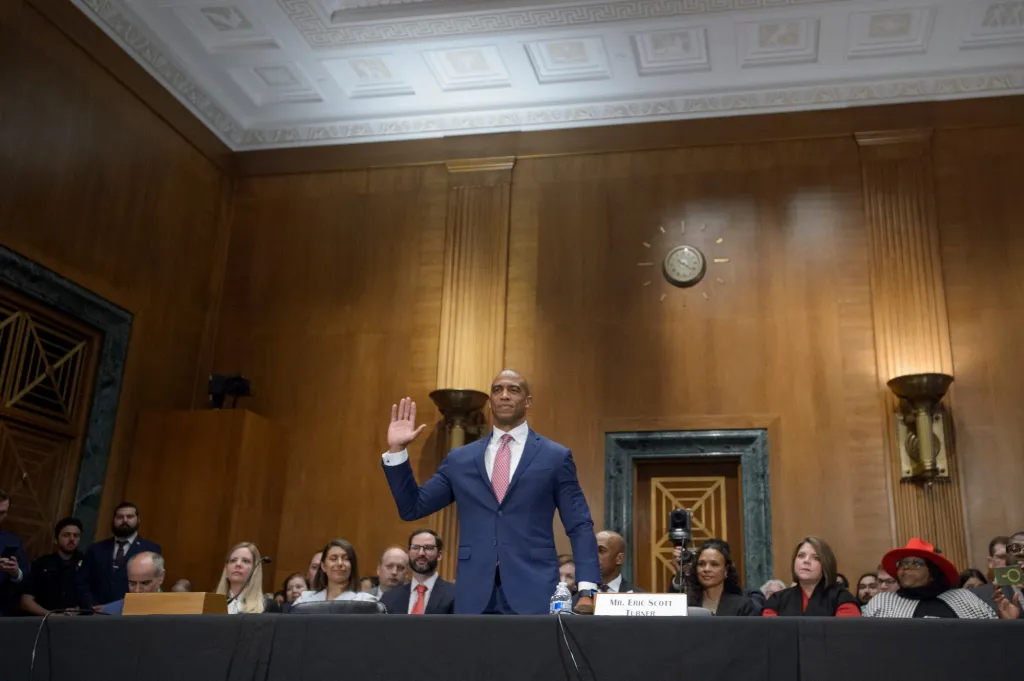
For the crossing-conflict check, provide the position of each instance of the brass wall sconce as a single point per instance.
(921, 427)
(463, 413)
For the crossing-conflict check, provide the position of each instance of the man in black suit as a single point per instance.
(427, 593)
(611, 554)
(106, 561)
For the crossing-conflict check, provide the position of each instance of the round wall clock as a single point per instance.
(684, 266)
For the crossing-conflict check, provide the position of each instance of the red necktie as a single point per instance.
(502, 467)
(421, 598)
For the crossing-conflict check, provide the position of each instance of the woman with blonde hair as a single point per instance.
(245, 594)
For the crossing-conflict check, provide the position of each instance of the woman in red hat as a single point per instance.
(926, 580)
(816, 593)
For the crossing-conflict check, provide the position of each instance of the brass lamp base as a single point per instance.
(922, 446)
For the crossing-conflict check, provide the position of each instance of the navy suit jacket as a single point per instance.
(518, 533)
(106, 584)
(441, 602)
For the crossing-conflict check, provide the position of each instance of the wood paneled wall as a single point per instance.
(332, 307)
(978, 199)
(97, 187)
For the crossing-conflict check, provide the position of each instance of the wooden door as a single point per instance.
(47, 367)
(711, 489)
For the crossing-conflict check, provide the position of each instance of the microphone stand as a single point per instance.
(264, 560)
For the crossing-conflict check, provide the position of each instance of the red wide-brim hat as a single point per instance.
(918, 548)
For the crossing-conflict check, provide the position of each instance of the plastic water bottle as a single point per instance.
(561, 601)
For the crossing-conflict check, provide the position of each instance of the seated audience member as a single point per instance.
(567, 571)
(772, 587)
(314, 565)
(997, 552)
(57, 580)
(867, 587)
(293, 587)
(14, 570)
(245, 595)
(182, 586)
(392, 570)
(886, 582)
(816, 593)
(144, 574)
(714, 583)
(368, 584)
(971, 578)
(337, 576)
(926, 581)
(842, 581)
(1005, 599)
(105, 560)
(611, 554)
(427, 593)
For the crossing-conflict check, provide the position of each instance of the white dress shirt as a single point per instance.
(413, 594)
(318, 596)
(613, 586)
(127, 547)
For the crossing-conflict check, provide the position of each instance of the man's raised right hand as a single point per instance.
(403, 428)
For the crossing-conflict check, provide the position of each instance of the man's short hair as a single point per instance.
(126, 504)
(158, 561)
(565, 559)
(435, 535)
(996, 541)
(66, 522)
(4, 496)
(380, 561)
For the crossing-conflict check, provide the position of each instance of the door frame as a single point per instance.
(749, 445)
(46, 286)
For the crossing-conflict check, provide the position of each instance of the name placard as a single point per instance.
(640, 605)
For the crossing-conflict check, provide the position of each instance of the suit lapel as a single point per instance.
(478, 458)
(529, 454)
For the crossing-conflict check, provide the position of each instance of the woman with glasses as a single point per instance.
(426, 593)
(926, 580)
(816, 593)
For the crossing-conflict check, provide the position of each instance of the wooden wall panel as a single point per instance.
(98, 188)
(978, 187)
(332, 305)
(786, 328)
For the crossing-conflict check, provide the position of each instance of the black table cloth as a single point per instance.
(287, 647)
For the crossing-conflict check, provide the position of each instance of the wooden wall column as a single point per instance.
(911, 326)
(472, 345)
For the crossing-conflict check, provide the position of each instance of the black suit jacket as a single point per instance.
(107, 584)
(625, 586)
(441, 601)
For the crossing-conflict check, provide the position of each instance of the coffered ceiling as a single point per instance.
(289, 73)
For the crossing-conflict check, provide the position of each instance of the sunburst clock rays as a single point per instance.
(685, 260)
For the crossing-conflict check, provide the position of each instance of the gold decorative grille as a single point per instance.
(705, 497)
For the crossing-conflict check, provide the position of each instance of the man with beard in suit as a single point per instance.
(106, 561)
(426, 593)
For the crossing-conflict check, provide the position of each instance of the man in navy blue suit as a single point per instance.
(106, 561)
(426, 593)
(507, 488)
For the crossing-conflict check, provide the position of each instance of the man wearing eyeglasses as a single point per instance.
(427, 593)
(1010, 600)
(886, 582)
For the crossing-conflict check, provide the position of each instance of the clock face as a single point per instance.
(684, 266)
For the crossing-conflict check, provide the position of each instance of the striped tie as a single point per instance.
(502, 466)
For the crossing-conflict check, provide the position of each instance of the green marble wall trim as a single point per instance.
(623, 450)
(35, 281)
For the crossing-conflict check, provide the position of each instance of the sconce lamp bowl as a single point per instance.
(456, 404)
(920, 388)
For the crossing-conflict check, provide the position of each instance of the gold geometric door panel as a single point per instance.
(705, 496)
(47, 366)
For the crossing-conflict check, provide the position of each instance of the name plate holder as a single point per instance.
(640, 605)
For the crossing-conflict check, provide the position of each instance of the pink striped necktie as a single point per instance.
(502, 467)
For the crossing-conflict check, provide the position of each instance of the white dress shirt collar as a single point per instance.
(519, 433)
(615, 584)
(129, 541)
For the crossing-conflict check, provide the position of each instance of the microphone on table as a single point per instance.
(263, 560)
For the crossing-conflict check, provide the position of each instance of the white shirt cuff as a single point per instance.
(395, 459)
(21, 576)
(586, 586)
